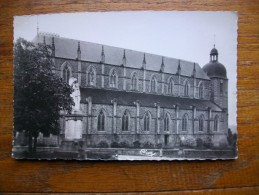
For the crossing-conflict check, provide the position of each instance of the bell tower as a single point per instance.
(219, 81)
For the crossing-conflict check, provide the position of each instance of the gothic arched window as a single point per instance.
(216, 123)
(101, 121)
(113, 79)
(125, 121)
(146, 122)
(186, 88)
(184, 123)
(170, 86)
(153, 84)
(201, 123)
(166, 123)
(134, 82)
(201, 90)
(91, 77)
(66, 74)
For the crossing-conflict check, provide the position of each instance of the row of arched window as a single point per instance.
(147, 119)
(200, 124)
(113, 81)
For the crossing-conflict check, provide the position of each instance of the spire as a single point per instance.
(124, 58)
(102, 55)
(162, 65)
(53, 47)
(194, 70)
(78, 51)
(214, 39)
(78, 47)
(144, 61)
(44, 40)
(214, 54)
(179, 67)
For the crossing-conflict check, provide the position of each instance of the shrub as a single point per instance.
(115, 145)
(208, 143)
(223, 144)
(103, 144)
(93, 146)
(188, 142)
(160, 145)
(232, 138)
(124, 144)
(136, 144)
(199, 143)
(148, 145)
(99, 156)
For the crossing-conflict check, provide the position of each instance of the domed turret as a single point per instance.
(214, 51)
(214, 68)
(219, 81)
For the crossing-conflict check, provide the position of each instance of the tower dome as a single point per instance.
(214, 51)
(214, 68)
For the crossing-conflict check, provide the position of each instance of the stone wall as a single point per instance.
(156, 134)
(113, 131)
(124, 75)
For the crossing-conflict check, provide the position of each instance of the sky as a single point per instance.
(178, 34)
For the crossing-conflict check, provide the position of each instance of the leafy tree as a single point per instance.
(232, 138)
(39, 94)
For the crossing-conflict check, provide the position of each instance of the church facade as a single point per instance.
(131, 99)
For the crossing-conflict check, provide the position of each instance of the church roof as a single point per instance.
(67, 48)
(104, 96)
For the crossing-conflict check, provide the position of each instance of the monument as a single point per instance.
(73, 121)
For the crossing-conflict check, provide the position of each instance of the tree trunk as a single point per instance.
(30, 143)
(34, 144)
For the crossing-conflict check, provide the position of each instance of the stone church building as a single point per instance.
(135, 97)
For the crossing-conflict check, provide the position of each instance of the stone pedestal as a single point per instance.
(74, 127)
(72, 140)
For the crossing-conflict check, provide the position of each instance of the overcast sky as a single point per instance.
(184, 35)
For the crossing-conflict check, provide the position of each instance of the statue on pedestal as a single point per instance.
(74, 125)
(75, 94)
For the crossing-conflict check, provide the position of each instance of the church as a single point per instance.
(134, 99)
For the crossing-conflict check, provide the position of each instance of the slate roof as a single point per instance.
(67, 48)
(104, 96)
(215, 69)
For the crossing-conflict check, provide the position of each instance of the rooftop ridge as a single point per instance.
(100, 44)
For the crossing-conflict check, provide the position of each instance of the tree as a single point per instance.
(39, 94)
(232, 138)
